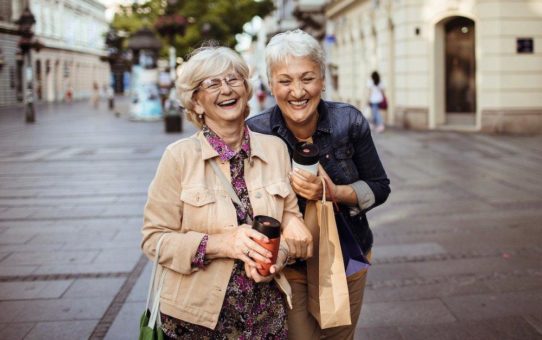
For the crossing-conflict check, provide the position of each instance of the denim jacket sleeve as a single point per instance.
(372, 175)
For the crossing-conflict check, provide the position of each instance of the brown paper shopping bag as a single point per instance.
(328, 299)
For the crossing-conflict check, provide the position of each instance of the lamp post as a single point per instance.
(26, 43)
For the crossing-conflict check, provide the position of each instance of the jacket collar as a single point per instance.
(278, 125)
(256, 149)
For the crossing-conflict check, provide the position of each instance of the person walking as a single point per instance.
(348, 158)
(376, 97)
(212, 287)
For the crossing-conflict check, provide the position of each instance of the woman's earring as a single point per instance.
(200, 116)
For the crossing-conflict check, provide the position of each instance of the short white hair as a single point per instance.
(296, 43)
(206, 62)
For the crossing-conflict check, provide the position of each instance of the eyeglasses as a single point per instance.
(214, 84)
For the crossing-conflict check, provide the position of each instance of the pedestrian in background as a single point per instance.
(212, 288)
(348, 158)
(376, 97)
(95, 96)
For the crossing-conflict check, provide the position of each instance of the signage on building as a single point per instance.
(524, 45)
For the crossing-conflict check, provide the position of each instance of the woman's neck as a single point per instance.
(231, 134)
(304, 130)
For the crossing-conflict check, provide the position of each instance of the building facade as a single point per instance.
(469, 65)
(72, 33)
(10, 62)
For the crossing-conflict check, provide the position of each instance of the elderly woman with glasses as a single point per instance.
(212, 288)
(349, 161)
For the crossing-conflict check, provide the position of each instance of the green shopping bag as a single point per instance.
(147, 333)
(149, 324)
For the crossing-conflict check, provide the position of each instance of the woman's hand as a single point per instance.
(282, 257)
(297, 237)
(310, 186)
(306, 184)
(239, 244)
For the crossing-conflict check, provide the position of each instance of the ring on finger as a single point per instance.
(247, 252)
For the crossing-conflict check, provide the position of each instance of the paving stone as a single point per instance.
(112, 267)
(415, 249)
(33, 290)
(94, 287)
(140, 289)
(377, 333)
(81, 236)
(513, 328)
(422, 292)
(47, 258)
(121, 255)
(535, 320)
(15, 330)
(62, 330)
(57, 310)
(16, 270)
(399, 313)
(485, 306)
(126, 325)
(17, 213)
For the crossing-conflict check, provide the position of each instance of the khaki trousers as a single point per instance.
(301, 324)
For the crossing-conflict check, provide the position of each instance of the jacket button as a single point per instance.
(258, 195)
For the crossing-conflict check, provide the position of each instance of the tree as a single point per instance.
(218, 20)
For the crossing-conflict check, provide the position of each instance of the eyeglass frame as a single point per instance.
(223, 80)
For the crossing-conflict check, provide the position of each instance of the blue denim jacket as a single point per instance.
(347, 153)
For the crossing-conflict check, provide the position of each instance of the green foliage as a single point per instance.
(222, 18)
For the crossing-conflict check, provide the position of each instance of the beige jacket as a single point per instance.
(187, 200)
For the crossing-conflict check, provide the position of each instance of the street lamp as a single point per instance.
(26, 43)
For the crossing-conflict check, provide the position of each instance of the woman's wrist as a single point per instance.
(345, 194)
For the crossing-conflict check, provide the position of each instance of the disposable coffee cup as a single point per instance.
(270, 227)
(306, 157)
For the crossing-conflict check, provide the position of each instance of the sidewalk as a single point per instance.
(457, 246)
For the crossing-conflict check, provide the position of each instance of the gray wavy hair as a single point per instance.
(296, 43)
(206, 62)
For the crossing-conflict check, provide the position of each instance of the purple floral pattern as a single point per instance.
(250, 310)
(199, 259)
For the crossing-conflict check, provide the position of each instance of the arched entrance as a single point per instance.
(455, 76)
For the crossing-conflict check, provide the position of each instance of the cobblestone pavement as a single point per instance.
(457, 246)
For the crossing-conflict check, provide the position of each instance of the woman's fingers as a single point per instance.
(306, 184)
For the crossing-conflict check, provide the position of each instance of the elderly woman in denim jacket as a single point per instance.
(212, 288)
(348, 158)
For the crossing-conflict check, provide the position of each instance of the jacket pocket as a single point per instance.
(276, 194)
(346, 169)
(344, 152)
(197, 197)
(198, 207)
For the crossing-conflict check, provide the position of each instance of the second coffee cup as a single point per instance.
(270, 227)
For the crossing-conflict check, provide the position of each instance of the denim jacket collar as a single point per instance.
(278, 125)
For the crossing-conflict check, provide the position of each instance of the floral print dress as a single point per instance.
(250, 310)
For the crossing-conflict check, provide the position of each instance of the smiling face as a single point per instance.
(297, 85)
(222, 100)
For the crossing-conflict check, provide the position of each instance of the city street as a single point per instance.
(457, 245)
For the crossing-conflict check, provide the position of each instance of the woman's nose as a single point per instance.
(298, 89)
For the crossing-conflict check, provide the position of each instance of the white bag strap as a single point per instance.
(154, 267)
(154, 318)
(229, 188)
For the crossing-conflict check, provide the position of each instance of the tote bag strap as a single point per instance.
(229, 188)
(154, 268)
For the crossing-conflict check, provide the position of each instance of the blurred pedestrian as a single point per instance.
(111, 97)
(376, 98)
(349, 162)
(69, 93)
(95, 96)
(212, 288)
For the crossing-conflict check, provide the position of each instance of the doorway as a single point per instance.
(460, 71)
